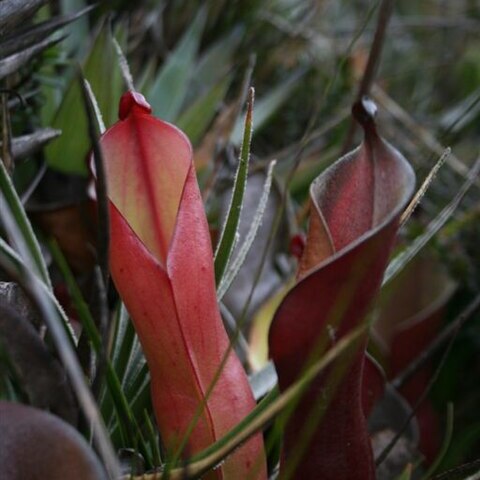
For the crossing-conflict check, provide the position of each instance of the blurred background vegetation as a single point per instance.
(192, 61)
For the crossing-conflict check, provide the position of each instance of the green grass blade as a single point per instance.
(123, 342)
(403, 258)
(127, 356)
(139, 400)
(229, 232)
(18, 263)
(120, 322)
(445, 444)
(28, 246)
(237, 263)
(152, 438)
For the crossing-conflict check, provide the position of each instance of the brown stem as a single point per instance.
(373, 62)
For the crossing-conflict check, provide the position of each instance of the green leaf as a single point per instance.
(227, 240)
(169, 89)
(27, 245)
(214, 64)
(68, 153)
(195, 121)
(146, 77)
